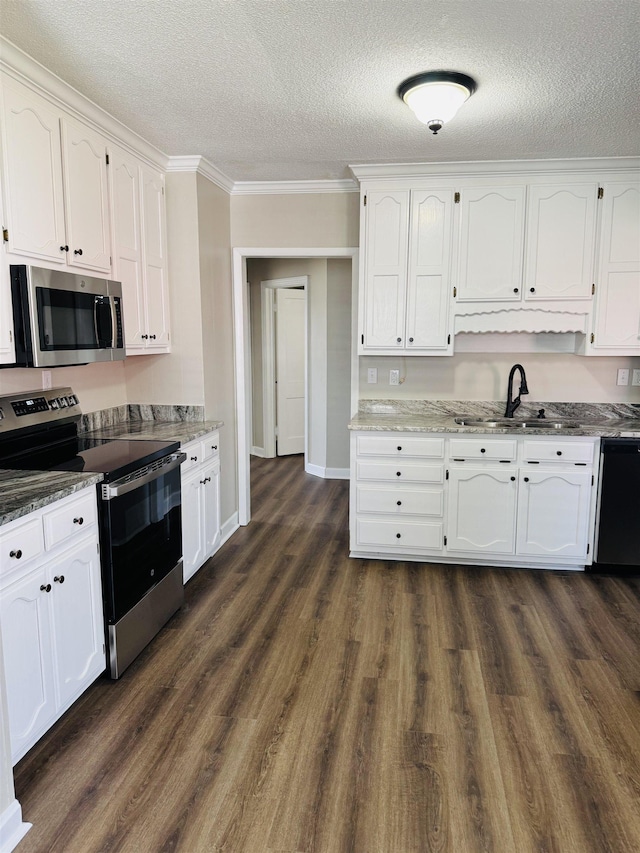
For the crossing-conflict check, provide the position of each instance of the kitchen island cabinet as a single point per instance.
(51, 613)
(200, 502)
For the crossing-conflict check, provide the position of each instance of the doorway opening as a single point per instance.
(319, 356)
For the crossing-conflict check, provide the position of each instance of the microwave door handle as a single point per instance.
(114, 331)
(95, 320)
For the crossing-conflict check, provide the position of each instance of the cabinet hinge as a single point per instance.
(10, 336)
(593, 289)
(448, 339)
(362, 338)
(107, 158)
(455, 292)
(5, 235)
(592, 480)
(588, 546)
(456, 198)
(600, 192)
(446, 476)
(445, 540)
(593, 337)
(365, 201)
(103, 649)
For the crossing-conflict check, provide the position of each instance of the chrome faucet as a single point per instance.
(512, 405)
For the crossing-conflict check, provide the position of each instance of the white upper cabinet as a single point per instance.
(407, 291)
(491, 244)
(86, 197)
(561, 224)
(56, 183)
(616, 319)
(154, 253)
(7, 344)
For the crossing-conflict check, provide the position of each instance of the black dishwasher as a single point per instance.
(618, 534)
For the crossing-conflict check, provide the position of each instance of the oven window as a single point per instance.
(69, 320)
(142, 541)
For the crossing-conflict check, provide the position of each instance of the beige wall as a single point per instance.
(98, 386)
(338, 362)
(483, 376)
(295, 221)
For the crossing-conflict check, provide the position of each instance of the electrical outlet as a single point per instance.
(46, 380)
(623, 376)
(394, 377)
(372, 375)
(635, 377)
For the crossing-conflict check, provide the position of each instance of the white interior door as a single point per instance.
(290, 370)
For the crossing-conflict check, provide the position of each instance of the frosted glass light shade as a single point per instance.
(436, 96)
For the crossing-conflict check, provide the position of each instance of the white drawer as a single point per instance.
(20, 542)
(71, 518)
(211, 445)
(558, 450)
(483, 448)
(195, 454)
(402, 445)
(400, 501)
(401, 471)
(416, 535)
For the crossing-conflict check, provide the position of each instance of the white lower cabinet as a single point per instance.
(51, 615)
(200, 503)
(490, 499)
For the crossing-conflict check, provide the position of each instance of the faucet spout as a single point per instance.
(512, 404)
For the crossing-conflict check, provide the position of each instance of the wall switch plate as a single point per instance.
(635, 377)
(372, 374)
(46, 380)
(394, 377)
(623, 376)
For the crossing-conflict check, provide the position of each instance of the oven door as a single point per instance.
(141, 533)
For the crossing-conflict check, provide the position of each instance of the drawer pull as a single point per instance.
(399, 447)
(79, 520)
(59, 579)
(398, 473)
(17, 554)
(193, 458)
(214, 446)
(46, 588)
(399, 503)
(482, 450)
(398, 535)
(559, 452)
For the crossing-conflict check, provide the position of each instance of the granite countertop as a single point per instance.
(182, 431)
(22, 492)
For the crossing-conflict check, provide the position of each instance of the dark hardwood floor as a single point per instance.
(302, 701)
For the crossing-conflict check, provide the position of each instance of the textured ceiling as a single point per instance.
(298, 89)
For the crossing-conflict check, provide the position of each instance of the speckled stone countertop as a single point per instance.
(182, 431)
(22, 492)
(596, 419)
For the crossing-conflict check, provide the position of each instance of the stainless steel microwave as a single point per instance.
(63, 318)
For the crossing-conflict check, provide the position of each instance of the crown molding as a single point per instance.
(475, 168)
(202, 166)
(288, 187)
(26, 70)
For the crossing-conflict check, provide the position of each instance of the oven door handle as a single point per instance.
(142, 477)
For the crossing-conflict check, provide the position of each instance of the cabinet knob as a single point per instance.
(398, 535)
(214, 446)
(398, 473)
(526, 479)
(559, 452)
(399, 447)
(152, 337)
(193, 458)
(513, 479)
(482, 450)
(399, 340)
(399, 503)
(79, 520)
(17, 554)
(532, 290)
(205, 481)
(64, 248)
(59, 579)
(410, 340)
(516, 290)
(46, 588)
(145, 337)
(77, 251)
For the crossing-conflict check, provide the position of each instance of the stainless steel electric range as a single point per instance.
(139, 505)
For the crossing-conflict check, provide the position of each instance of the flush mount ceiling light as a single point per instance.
(436, 96)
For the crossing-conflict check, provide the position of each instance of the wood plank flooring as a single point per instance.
(303, 702)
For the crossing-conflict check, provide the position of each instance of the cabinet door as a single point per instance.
(429, 284)
(491, 244)
(482, 510)
(33, 175)
(25, 615)
(154, 247)
(193, 533)
(553, 513)
(78, 628)
(560, 241)
(617, 302)
(124, 173)
(86, 197)
(385, 286)
(211, 508)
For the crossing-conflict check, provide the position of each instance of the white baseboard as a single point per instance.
(12, 828)
(327, 473)
(229, 528)
(258, 451)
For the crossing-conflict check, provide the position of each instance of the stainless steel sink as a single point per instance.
(517, 423)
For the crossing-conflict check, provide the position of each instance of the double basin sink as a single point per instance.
(519, 423)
